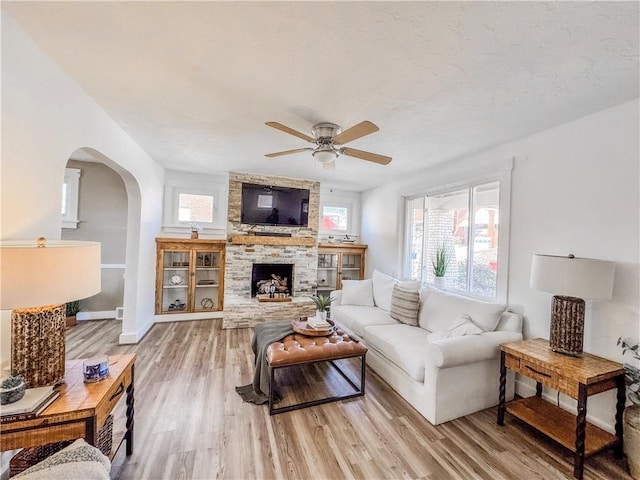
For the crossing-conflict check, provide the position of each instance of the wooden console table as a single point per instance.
(80, 410)
(576, 377)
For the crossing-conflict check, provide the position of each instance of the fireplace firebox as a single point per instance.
(272, 278)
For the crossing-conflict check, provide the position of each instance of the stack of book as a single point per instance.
(34, 402)
(318, 323)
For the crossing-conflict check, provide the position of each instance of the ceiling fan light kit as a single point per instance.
(325, 155)
(326, 136)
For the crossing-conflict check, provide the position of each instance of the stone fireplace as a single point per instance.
(294, 255)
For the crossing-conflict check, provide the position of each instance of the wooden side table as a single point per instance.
(576, 377)
(80, 410)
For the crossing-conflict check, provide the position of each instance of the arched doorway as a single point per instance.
(108, 212)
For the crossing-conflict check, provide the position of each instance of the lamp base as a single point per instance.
(38, 344)
(567, 325)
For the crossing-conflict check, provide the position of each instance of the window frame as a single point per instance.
(71, 201)
(503, 177)
(350, 220)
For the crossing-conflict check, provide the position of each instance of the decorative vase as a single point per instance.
(322, 315)
(632, 439)
(194, 234)
(439, 283)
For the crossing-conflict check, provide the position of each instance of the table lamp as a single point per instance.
(37, 278)
(571, 279)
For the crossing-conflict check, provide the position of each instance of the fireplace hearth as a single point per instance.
(274, 280)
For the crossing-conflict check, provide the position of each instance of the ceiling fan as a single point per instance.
(329, 139)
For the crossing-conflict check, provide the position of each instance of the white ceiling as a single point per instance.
(193, 83)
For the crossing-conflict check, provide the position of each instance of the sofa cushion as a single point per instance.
(354, 317)
(440, 310)
(357, 292)
(402, 344)
(404, 305)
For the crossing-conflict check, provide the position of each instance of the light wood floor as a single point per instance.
(190, 423)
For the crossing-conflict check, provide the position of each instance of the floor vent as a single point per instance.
(119, 313)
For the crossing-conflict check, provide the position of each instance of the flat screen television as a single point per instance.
(274, 205)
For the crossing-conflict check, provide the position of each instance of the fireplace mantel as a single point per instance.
(267, 240)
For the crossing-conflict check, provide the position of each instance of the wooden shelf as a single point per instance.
(266, 240)
(559, 424)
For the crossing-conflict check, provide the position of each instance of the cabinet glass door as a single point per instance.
(175, 281)
(327, 272)
(207, 280)
(351, 266)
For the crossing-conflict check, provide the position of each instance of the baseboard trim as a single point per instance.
(101, 315)
(185, 317)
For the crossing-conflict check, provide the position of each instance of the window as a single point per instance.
(464, 223)
(265, 201)
(70, 192)
(334, 219)
(195, 208)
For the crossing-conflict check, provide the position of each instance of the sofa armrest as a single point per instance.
(336, 297)
(454, 351)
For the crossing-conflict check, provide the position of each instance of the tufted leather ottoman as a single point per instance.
(297, 349)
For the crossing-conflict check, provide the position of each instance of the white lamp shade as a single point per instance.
(60, 272)
(573, 276)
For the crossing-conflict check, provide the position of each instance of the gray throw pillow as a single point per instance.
(404, 305)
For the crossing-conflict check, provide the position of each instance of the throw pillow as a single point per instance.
(382, 289)
(78, 460)
(404, 305)
(462, 326)
(357, 292)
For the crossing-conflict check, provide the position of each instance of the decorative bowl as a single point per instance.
(12, 394)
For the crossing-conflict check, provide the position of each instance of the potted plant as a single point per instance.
(632, 413)
(72, 310)
(322, 304)
(440, 264)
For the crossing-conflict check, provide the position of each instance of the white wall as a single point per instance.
(46, 117)
(575, 189)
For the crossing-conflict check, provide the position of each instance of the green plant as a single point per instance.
(631, 373)
(322, 301)
(73, 308)
(441, 262)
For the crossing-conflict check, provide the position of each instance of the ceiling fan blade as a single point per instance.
(370, 157)
(288, 152)
(357, 131)
(291, 131)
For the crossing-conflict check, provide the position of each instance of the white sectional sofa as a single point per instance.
(447, 364)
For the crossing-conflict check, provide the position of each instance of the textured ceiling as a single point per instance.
(194, 82)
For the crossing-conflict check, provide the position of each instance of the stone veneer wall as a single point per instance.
(240, 310)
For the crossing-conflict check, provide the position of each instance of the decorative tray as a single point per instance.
(300, 326)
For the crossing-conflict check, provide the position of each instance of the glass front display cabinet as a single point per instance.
(338, 262)
(189, 275)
